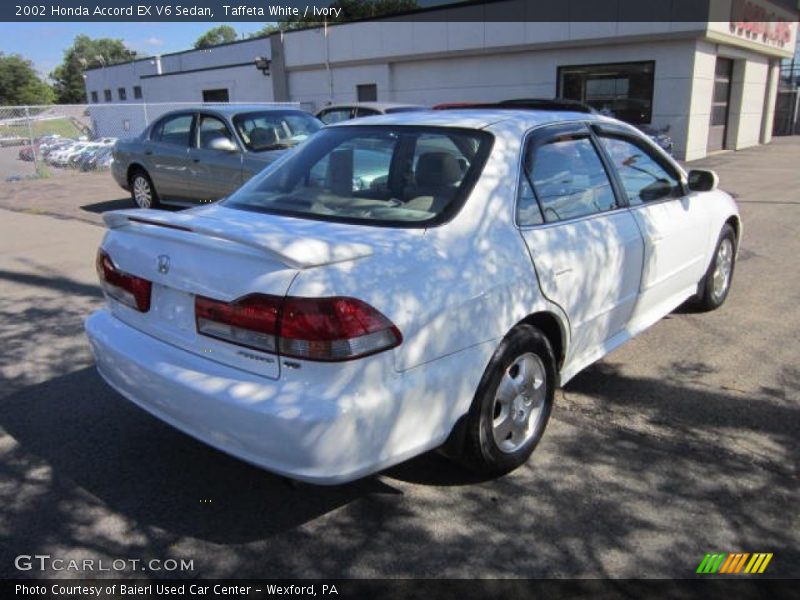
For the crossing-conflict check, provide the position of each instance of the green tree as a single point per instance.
(85, 53)
(216, 36)
(20, 84)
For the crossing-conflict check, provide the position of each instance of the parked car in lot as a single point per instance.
(198, 155)
(355, 110)
(336, 316)
(100, 159)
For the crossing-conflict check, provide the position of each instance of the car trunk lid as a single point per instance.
(221, 254)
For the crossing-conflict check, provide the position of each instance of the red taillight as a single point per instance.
(324, 329)
(128, 289)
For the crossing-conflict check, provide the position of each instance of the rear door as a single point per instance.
(167, 155)
(215, 173)
(586, 247)
(675, 225)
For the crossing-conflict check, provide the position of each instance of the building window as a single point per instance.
(137, 92)
(94, 97)
(122, 93)
(624, 90)
(367, 92)
(220, 95)
(107, 95)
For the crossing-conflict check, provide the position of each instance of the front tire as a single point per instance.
(512, 405)
(143, 193)
(717, 281)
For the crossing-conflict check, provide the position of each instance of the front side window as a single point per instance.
(644, 179)
(384, 175)
(175, 130)
(275, 129)
(210, 129)
(564, 179)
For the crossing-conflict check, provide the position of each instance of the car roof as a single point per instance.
(234, 109)
(372, 105)
(472, 118)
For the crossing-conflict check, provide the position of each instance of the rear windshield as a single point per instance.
(274, 129)
(379, 175)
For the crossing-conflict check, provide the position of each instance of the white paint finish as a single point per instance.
(454, 291)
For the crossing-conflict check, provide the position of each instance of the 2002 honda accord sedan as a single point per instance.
(405, 282)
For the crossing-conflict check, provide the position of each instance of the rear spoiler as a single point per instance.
(296, 252)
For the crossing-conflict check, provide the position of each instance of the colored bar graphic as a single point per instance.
(734, 563)
(758, 563)
(711, 563)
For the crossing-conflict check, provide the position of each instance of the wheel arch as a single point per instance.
(132, 168)
(553, 329)
(736, 224)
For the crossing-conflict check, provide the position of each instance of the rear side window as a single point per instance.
(644, 179)
(174, 130)
(563, 179)
(335, 115)
(387, 175)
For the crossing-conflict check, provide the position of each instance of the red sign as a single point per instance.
(755, 21)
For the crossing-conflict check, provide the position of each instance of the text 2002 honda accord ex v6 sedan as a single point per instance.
(405, 281)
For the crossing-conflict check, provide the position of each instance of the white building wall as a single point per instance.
(244, 84)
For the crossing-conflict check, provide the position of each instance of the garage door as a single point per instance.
(718, 128)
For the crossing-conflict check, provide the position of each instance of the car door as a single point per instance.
(585, 245)
(167, 155)
(675, 224)
(215, 173)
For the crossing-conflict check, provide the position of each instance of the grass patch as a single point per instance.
(63, 127)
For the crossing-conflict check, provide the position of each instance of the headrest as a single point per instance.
(435, 169)
(261, 137)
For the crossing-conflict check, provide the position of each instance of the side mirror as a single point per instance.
(702, 180)
(222, 144)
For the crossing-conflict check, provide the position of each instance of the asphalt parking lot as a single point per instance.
(683, 442)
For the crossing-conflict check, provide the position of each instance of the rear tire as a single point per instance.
(716, 283)
(512, 405)
(143, 193)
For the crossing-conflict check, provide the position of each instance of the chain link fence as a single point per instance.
(48, 141)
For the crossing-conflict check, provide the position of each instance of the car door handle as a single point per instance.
(148, 152)
(196, 160)
(563, 272)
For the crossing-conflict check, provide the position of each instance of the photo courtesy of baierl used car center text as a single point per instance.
(399, 299)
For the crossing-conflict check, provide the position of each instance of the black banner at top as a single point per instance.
(302, 12)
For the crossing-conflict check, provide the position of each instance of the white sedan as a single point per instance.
(406, 282)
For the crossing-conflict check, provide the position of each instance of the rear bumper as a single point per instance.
(298, 428)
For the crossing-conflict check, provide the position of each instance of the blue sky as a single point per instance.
(44, 43)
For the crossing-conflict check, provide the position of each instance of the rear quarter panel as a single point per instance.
(459, 287)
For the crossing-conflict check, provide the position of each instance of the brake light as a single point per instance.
(130, 290)
(322, 329)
